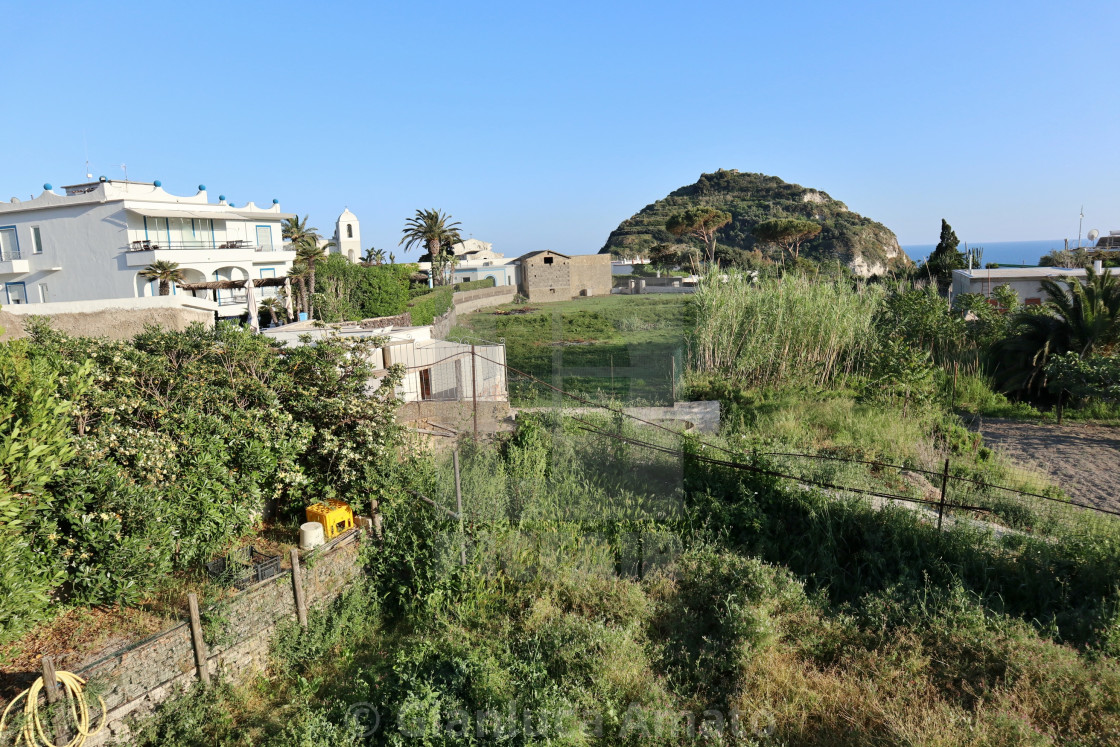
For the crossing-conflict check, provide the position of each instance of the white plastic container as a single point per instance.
(310, 535)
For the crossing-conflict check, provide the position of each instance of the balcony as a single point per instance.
(12, 263)
(143, 253)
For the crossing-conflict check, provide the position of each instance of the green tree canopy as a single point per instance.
(701, 223)
(787, 233)
(945, 257)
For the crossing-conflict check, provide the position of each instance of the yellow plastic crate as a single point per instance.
(335, 516)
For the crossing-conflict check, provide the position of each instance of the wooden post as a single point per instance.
(54, 697)
(297, 585)
(459, 510)
(474, 391)
(944, 485)
(953, 398)
(673, 379)
(612, 375)
(199, 645)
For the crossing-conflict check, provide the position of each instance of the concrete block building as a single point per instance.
(552, 276)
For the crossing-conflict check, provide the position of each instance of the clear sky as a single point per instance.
(543, 125)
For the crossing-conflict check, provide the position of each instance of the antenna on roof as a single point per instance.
(1079, 220)
(124, 167)
(1093, 234)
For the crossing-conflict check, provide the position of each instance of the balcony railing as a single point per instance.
(8, 256)
(150, 245)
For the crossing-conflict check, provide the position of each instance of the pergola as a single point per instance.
(249, 284)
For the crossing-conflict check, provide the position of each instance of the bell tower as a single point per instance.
(347, 236)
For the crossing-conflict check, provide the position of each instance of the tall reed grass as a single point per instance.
(793, 330)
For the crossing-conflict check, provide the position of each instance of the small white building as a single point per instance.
(1025, 281)
(91, 241)
(476, 260)
(435, 370)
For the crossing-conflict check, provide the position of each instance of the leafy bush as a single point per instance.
(137, 458)
(348, 291)
(470, 285)
(430, 306)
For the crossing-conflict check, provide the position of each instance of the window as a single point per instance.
(9, 243)
(264, 238)
(425, 383)
(548, 260)
(44, 295)
(1033, 302)
(268, 272)
(17, 293)
(36, 240)
(349, 231)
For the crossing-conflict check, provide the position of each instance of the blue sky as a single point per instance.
(544, 125)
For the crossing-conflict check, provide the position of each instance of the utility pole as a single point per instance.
(1080, 219)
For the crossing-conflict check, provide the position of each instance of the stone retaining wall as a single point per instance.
(135, 680)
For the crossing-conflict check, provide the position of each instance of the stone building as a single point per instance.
(552, 276)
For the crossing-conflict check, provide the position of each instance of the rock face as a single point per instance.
(865, 246)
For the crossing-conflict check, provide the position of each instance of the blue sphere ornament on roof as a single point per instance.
(102, 179)
(157, 183)
(275, 201)
(47, 186)
(232, 205)
(221, 197)
(201, 187)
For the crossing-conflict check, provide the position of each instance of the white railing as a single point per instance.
(152, 245)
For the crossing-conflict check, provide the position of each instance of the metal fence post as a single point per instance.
(474, 390)
(944, 485)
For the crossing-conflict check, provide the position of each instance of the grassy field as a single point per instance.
(614, 347)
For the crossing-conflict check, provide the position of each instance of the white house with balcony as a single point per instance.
(91, 242)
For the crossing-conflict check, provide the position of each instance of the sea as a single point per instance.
(1000, 252)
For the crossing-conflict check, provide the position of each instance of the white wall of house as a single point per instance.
(1025, 281)
(84, 244)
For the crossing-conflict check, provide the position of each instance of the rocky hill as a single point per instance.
(867, 247)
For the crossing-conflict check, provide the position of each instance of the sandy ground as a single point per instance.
(1083, 459)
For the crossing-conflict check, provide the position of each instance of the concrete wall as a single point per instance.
(117, 319)
(591, 275)
(135, 680)
(468, 301)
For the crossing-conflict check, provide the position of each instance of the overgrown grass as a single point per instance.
(806, 618)
(792, 330)
(610, 348)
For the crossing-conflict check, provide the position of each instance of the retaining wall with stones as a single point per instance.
(135, 680)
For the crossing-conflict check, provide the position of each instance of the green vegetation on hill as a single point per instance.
(865, 246)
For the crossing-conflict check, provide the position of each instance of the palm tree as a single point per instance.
(295, 230)
(392, 258)
(434, 231)
(274, 308)
(374, 256)
(165, 272)
(1078, 317)
(310, 254)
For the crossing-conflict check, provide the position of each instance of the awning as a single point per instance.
(153, 212)
(168, 213)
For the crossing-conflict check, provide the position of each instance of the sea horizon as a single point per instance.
(1001, 252)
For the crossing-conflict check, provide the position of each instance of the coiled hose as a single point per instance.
(33, 734)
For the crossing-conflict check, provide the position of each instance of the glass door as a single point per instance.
(264, 238)
(9, 245)
(17, 292)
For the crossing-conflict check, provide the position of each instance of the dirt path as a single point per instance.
(1083, 459)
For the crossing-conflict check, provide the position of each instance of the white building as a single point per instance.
(92, 241)
(1025, 281)
(477, 260)
(435, 370)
